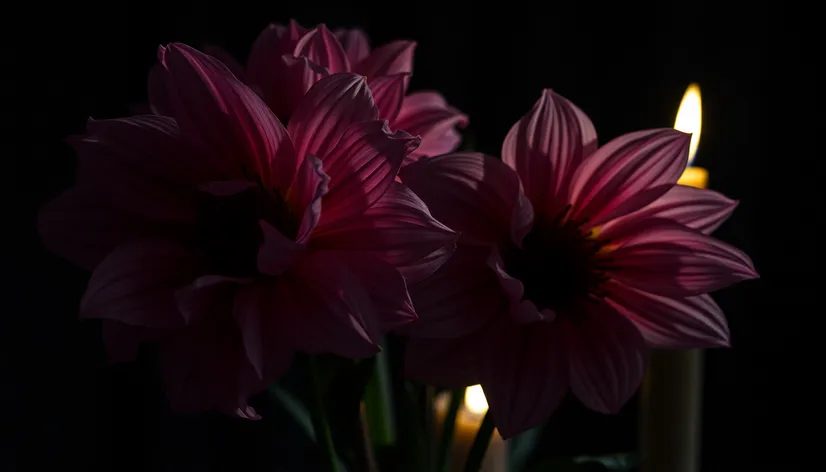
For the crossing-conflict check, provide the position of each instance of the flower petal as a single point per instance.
(277, 252)
(136, 284)
(355, 44)
(606, 358)
(362, 166)
(123, 341)
(388, 94)
(449, 363)
(675, 323)
(159, 101)
(226, 118)
(395, 57)
(669, 259)
(327, 110)
(459, 298)
(267, 343)
(308, 189)
(426, 114)
(544, 148)
(627, 174)
(226, 58)
(700, 209)
(206, 294)
(526, 379)
(298, 77)
(473, 194)
(265, 67)
(384, 284)
(399, 230)
(329, 309)
(321, 46)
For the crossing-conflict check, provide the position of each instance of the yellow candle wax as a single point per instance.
(468, 420)
(694, 177)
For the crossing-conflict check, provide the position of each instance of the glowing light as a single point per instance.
(475, 400)
(690, 118)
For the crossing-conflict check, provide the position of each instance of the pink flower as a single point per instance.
(233, 241)
(572, 261)
(285, 61)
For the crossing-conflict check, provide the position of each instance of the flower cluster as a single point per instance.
(307, 203)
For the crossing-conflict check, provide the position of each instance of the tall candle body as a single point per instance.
(672, 393)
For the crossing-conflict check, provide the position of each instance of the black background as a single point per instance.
(625, 65)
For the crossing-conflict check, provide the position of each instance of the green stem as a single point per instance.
(446, 441)
(322, 428)
(480, 445)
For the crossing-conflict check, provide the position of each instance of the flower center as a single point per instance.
(559, 264)
(228, 229)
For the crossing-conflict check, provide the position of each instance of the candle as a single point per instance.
(468, 420)
(671, 407)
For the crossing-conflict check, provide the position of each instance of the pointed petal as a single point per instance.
(328, 307)
(321, 46)
(589, 133)
(384, 284)
(392, 58)
(266, 69)
(669, 259)
(473, 194)
(700, 209)
(362, 166)
(606, 358)
(298, 77)
(460, 298)
(521, 311)
(142, 165)
(355, 44)
(399, 230)
(428, 115)
(226, 58)
(544, 148)
(136, 284)
(305, 196)
(159, 101)
(627, 174)
(388, 94)
(277, 252)
(227, 119)
(327, 110)
(526, 378)
(674, 323)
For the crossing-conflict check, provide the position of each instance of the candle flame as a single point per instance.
(690, 118)
(475, 400)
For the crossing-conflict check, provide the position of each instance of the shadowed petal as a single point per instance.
(627, 174)
(299, 76)
(449, 363)
(331, 106)
(265, 67)
(606, 358)
(526, 380)
(277, 252)
(206, 294)
(544, 148)
(384, 284)
(388, 94)
(267, 343)
(305, 196)
(460, 298)
(328, 307)
(675, 323)
(136, 284)
(392, 58)
(320, 46)
(123, 341)
(669, 259)
(227, 119)
(226, 58)
(355, 44)
(426, 114)
(156, 89)
(399, 230)
(475, 195)
(700, 209)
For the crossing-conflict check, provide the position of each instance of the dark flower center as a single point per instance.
(558, 264)
(229, 232)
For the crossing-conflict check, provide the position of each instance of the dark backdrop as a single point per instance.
(626, 66)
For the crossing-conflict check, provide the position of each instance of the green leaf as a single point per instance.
(521, 448)
(295, 408)
(378, 399)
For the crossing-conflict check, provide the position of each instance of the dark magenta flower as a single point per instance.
(573, 260)
(233, 241)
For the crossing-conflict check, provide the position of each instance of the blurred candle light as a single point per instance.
(468, 420)
(671, 407)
